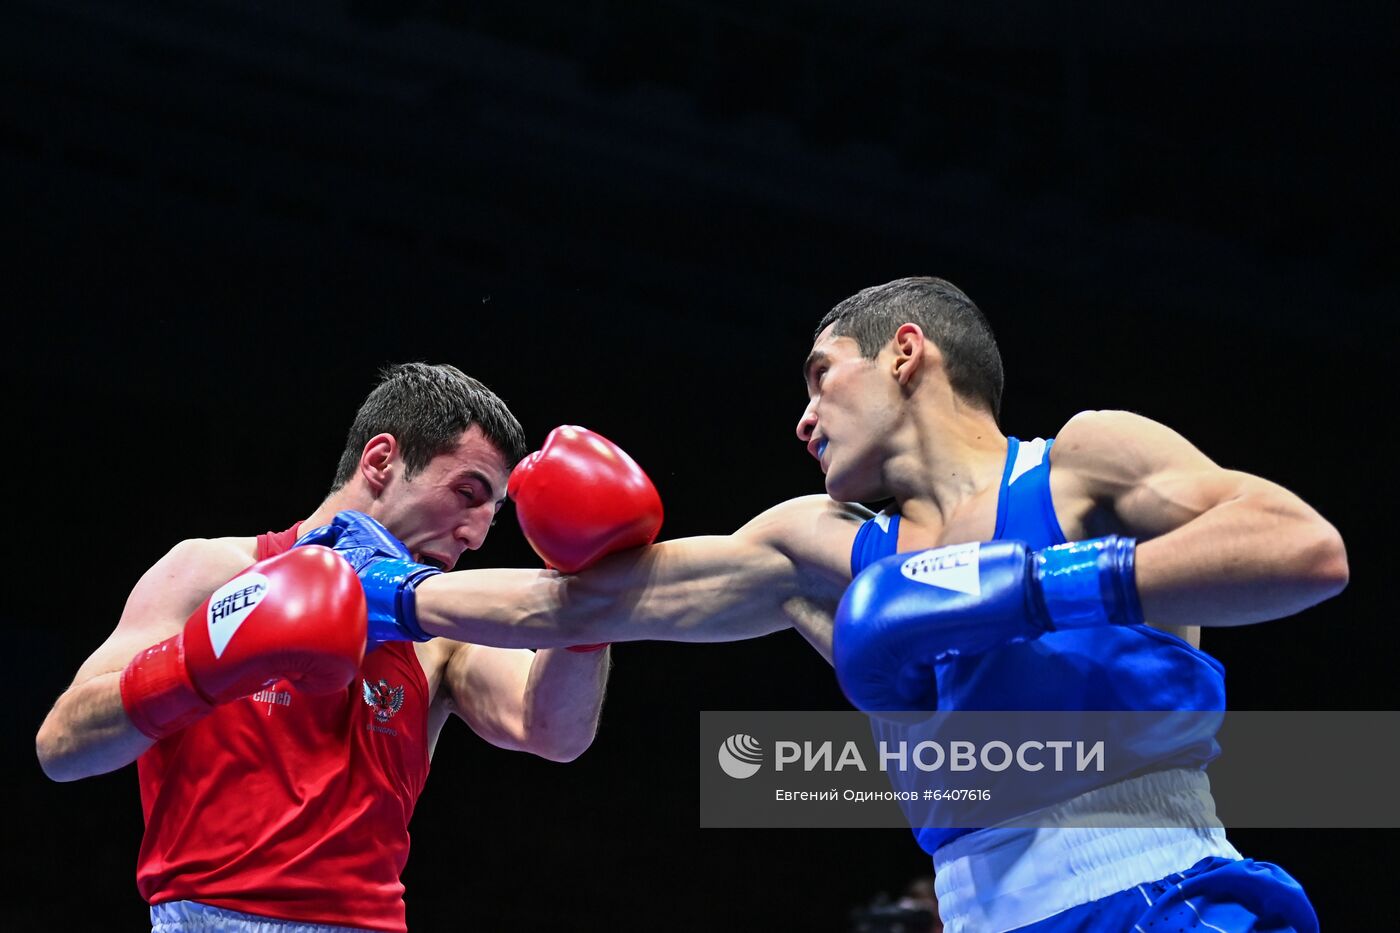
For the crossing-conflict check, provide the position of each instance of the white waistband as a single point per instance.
(1003, 878)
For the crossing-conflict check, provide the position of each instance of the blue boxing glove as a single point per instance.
(903, 614)
(386, 570)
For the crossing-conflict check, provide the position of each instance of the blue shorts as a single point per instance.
(1215, 895)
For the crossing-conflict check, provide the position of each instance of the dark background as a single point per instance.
(221, 217)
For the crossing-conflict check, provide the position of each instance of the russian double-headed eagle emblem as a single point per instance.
(383, 699)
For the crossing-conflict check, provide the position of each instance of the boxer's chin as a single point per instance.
(430, 562)
(835, 490)
(843, 487)
(839, 485)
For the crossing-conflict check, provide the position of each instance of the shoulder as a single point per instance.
(192, 553)
(818, 507)
(804, 516)
(166, 594)
(1120, 436)
(1089, 430)
(197, 561)
(186, 574)
(815, 532)
(1114, 449)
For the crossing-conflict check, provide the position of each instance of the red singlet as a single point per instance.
(288, 805)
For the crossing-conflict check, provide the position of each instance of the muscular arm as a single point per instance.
(702, 589)
(1216, 547)
(87, 731)
(544, 702)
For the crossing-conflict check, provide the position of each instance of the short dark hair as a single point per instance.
(427, 407)
(948, 317)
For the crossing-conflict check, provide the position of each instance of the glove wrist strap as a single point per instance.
(157, 693)
(389, 599)
(1089, 583)
(408, 602)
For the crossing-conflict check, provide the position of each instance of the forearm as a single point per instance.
(563, 701)
(692, 590)
(1251, 559)
(88, 732)
(503, 609)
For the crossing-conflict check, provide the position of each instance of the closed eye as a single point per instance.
(813, 369)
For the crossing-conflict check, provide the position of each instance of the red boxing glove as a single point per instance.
(580, 498)
(298, 616)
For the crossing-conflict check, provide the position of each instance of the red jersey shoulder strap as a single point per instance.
(277, 542)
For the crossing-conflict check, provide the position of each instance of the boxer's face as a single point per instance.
(849, 412)
(448, 506)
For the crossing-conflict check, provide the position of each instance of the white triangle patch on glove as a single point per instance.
(950, 568)
(230, 605)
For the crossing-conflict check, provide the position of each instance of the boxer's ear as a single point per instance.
(911, 353)
(377, 461)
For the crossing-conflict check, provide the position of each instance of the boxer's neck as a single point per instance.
(352, 495)
(950, 456)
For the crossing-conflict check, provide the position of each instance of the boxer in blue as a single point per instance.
(1101, 554)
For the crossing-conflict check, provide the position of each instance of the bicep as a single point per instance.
(487, 687)
(1169, 498)
(1150, 478)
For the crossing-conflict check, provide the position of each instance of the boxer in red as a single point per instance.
(279, 763)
